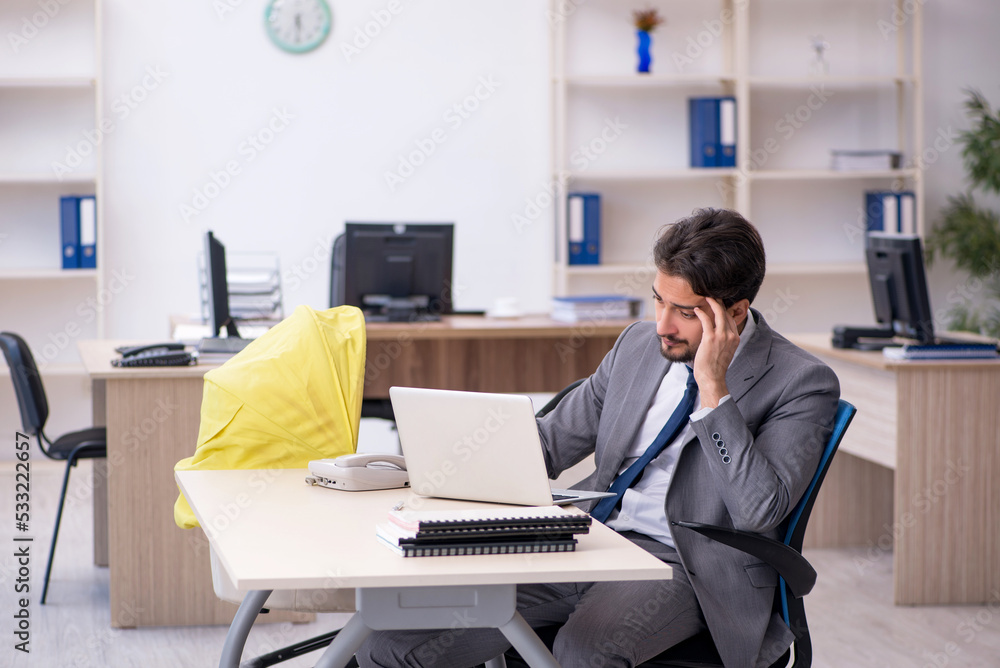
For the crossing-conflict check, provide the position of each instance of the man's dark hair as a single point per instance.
(717, 251)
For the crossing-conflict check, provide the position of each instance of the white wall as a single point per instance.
(960, 51)
(351, 122)
(350, 118)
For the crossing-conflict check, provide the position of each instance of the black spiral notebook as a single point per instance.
(482, 531)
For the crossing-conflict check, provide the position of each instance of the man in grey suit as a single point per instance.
(738, 450)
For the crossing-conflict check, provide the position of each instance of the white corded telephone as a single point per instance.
(355, 473)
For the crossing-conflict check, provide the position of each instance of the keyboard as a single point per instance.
(227, 345)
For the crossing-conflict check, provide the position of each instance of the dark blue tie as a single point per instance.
(670, 430)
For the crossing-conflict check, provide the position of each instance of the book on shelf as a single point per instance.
(482, 531)
(597, 307)
(712, 131)
(951, 350)
(583, 223)
(890, 211)
(864, 161)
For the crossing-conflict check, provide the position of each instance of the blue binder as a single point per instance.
(726, 151)
(584, 228)
(882, 211)
(703, 115)
(69, 225)
(87, 214)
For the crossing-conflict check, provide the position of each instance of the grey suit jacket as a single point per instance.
(750, 463)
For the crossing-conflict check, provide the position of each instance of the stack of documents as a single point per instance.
(434, 533)
(595, 308)
(254, 294)
(864, 161)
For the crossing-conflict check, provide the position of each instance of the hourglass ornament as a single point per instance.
(818, 66)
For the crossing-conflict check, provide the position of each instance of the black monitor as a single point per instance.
(899, 294)
(218, 287)
(899, 285)
(394, 271)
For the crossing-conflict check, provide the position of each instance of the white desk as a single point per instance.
(273, 531)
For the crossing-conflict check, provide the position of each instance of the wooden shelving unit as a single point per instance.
(873, 94)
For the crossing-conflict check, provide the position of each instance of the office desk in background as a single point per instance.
(159, 573)
(293, 536)
(917, 477)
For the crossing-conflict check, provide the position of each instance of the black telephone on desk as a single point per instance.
(171, 353)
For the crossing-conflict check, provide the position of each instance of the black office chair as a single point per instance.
(797, 575)
(72, 447)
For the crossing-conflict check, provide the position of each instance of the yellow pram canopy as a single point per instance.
(291, 396)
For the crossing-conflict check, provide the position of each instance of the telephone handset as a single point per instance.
(157, 354)
(131, 351)
(359, 472)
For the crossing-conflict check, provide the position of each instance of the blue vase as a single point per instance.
(643, 50)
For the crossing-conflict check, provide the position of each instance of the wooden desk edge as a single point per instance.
(820, 344)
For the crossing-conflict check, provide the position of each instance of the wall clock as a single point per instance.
(298, 26)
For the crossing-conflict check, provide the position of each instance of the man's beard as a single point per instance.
(682, 354)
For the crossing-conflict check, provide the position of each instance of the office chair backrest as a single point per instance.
(797, 521)
(27, 383)
(554, 401)
(800, 515)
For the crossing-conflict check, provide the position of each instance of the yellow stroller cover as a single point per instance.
(291, 396)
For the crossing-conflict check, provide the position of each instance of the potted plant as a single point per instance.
(969, 234)
(646, 21)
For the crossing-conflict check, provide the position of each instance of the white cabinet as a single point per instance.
(626, 135)
(49, 111)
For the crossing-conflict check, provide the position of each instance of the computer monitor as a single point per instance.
(394, 271)
(899, 285)
(218, 287)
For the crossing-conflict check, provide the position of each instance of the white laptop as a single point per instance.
(475, 446)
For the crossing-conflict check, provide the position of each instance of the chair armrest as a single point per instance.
(798, 573)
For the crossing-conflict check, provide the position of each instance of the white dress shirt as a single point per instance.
(642, 508)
